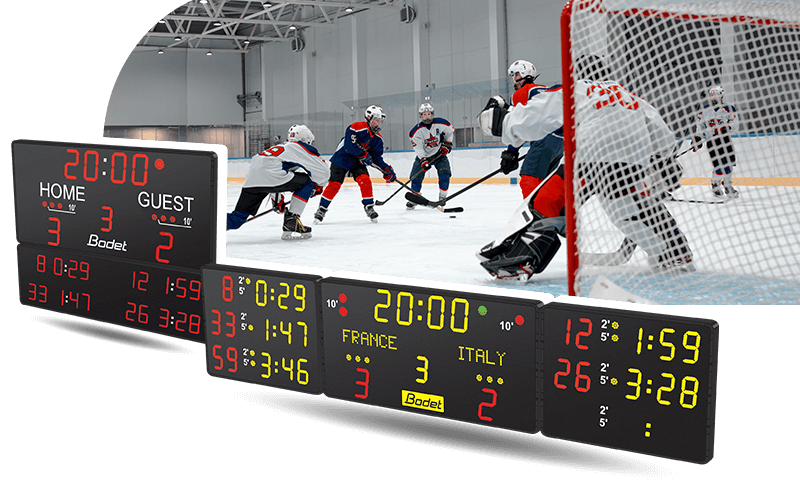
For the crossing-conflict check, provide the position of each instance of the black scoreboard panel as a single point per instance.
(452, 354)
(263, 328)
(128, 216)
(629, 380)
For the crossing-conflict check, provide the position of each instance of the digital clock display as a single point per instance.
(131, 294)
(459, 355)
(263, 328)
(628, 380)
(154, 205)
(114, 233)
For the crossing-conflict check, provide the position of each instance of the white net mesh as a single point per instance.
(743, 245)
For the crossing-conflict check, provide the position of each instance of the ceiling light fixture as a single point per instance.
(209, 53)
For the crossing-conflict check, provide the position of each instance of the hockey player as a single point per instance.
(432, 140)
(292, 166)
(543, 155)
(362, 145)
(716, 123)
(620, 137)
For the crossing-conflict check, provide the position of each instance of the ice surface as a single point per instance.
(427, 244)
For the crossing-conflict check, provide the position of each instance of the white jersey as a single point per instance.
(712, 119)
(426, 139)
(277, 165)
(613, 125)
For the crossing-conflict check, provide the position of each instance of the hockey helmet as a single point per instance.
(716, 93)
(300, 132)
(374, 116)
(426, 107)
(522, 72)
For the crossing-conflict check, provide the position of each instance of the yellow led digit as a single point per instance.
(266, 322)
(305, 333)
(441, 312)
(423, 369)
(639, 344)
(289, 369)
(692, 392)
(667, 343)
(692, 347)
(302, 375)
(267, 365)
(301, 297)
(464, 302)
(665, 389)
(282, 296)
(400, 297)
(261, 296)
(287, 331)
(636, 384)
(383, 306)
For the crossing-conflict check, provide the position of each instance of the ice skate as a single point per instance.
(716, 188)
(371, 213)
(320, 215)
(293, 228)
(731, 192)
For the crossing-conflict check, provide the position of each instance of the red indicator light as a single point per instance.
(519, 320)
(159, 164)
(343, 311)
(342, 297)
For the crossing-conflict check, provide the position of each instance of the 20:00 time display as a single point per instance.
(435, 308)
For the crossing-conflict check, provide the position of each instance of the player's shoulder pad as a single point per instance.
(441, 121)
(309, 148)
(415, 129)
(359, 126)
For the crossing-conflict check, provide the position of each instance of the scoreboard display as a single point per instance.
(115, 233)
(127, 235)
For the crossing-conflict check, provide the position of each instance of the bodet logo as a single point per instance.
(428, 402)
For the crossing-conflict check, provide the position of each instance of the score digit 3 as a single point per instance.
(456, 355)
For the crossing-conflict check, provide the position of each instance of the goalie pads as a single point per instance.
(665, 174)
(522, 255)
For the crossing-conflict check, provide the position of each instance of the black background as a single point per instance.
(92, 403)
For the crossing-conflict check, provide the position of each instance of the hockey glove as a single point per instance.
(317, 190)
(509, 161)
(491, 118)
(278, 202)
(445, 147)
(426, 165)
(388, 174)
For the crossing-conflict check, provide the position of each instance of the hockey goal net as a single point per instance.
(744, 249)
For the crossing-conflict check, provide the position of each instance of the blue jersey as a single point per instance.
(360, 146)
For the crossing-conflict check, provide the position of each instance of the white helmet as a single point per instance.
(716, 93)
(426, 107)
(524, 69)
(374, 112)
(300, 132)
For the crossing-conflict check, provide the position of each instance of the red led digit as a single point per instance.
(231, 324)
(32, 291)
(181, 288)
(71, 164)
(108, 218)
(163, 247)
(196, 287)
(582, 376)
(133, 171)
(144, 277)
(364, 383)
(41, 267)
(56, 231)
(565, 373)
(164, 318)
(217, 357)
(583, 333)
(84, 268)
(130, 312)
(194, 323)
(217, 322)
(487, 404)
(234, 360)
(124, 167)
(569, 326)
(88, 301)
(58, 266)
(180, 321)
(86, 165)
(227, 288)
(73, 267)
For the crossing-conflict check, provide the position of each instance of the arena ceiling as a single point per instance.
(237, 25)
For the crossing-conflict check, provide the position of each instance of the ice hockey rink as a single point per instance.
(428, 244)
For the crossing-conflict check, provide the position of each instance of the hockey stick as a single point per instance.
(616, 258)
(437, 206)
(420, 200)
(700, 201)
(402, 185)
